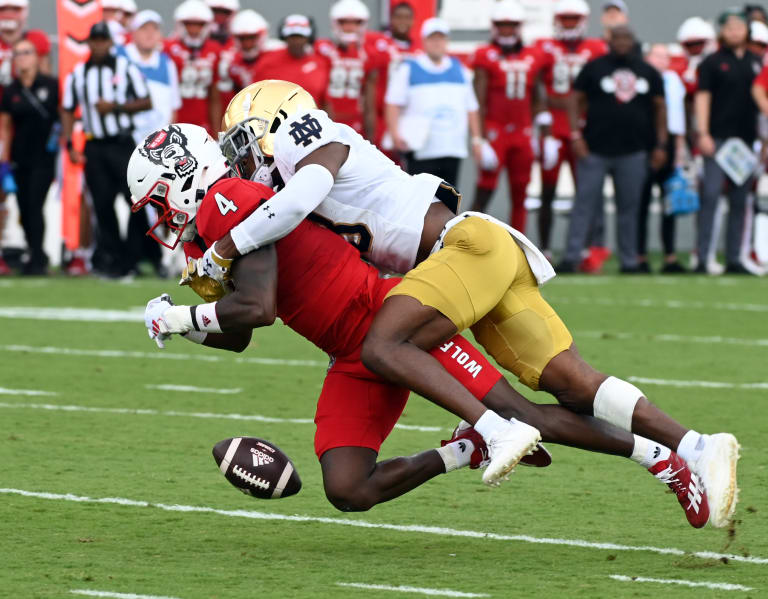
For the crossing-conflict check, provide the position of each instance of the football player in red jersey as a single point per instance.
(13, 18)
(697, 38)
(223, 13)
(318, 285)
(383, 56)
(237, 65)
(298, 62)
(351, 91)
(400, 29)
(197, 61)
(507, 75)
(569, 50)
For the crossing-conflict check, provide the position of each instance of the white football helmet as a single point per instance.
(13, 14)
(349, 10)
(171, 170)
(758, 32)
(695, 29)
(506, 11)
(571, 8)
(195, 11)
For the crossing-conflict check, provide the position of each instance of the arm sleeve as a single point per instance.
(68, 101)
(282, 213)
(705, 75)
(397, 87)
(657, 83)
(675, 96)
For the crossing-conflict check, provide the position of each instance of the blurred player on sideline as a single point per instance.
(223, 13)
(507, 76)
(351, 91)
(196, 57)
(569, 50)
(297, 62)
(237, 66)
(318, 285)
(13, 20)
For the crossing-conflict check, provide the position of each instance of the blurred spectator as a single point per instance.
(237, 66)
(725, 110)
(29, 120)
(113, 15)
(351, 92)
(297, 62)
(129, 12)
(401, 28)
(430, 104)
(674, 95)
(223, 13)
(197, 60)
(110, 90)
(756, 13)
(507, 78)
(624, 98)
(568, 51)
(697, 38)
(13, 20)
(758, 39)
(145, 51)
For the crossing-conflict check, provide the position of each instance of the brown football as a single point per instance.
(257, 467)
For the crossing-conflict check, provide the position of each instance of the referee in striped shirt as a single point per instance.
(109, 90)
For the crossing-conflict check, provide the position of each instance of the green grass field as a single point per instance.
(108, 484)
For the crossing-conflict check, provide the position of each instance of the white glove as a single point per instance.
(153, 319)
(215, 266)
(490, 161)
(550, 152)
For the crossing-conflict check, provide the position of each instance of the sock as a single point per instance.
(457, 454)
(648, 453)
(489, 423)
(691, 446)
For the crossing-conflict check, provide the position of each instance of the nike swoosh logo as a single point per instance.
(142, 179)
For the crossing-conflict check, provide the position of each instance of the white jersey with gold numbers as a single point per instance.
(374, 204)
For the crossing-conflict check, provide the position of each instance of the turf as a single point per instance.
(49, 547)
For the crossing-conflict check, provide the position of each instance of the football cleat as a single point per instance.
(4, 268)
(479, 457)
(506, 447)
(716, 467)
(674, 473)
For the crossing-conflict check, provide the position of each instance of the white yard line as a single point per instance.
(158, 355)
(416, 528)
(701, 384)
(407, 589)
(205, 415)
(34, 392)
(720, 586)
(91, 593)
(706, 340)
(653, 303)
(72, 314)
(193, 389)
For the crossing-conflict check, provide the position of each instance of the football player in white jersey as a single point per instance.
(465, 271)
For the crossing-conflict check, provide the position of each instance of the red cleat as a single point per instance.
(77, 267)
(674, 473)
(593, 263)
(4, 268)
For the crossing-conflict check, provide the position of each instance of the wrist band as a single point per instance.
(204, 318)
(543, 119)
(477, 141)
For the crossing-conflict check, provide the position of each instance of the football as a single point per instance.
(257, 467)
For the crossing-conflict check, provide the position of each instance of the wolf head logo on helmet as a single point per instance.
(168, 148)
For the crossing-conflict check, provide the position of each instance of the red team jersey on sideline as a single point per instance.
(511, 81)
(311, 71)
(349, 66)
(566, 59)
(235, 73)
(383, 57)
(198, 70)
(687, 68)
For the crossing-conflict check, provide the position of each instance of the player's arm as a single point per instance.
(214, 105)
(369, 103)
(282, 213)
(481, 91)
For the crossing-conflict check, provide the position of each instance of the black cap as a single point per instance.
(100, 30)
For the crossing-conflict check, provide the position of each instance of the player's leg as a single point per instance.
(519, 164)
(487, 179)
(549, 179)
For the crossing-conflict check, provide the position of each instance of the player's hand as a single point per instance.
(76, 157)
(550, 152)
(400, 144)
(207, 288)
(658, 158)
(153, 319)
(103, 107)
(214, 266)
(579, 148)
(706, 144)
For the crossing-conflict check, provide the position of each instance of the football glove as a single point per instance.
(209, 289)
(153, 319)
(550, 152)
(214, 266)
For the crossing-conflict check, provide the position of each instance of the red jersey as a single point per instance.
(311, 71)
(511, 83)
(235, 73)
(321, 280)
(687, 68)
(198, 70)
(566, 59)
(349, 67)
(38, 38)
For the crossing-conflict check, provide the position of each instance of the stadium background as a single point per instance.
(653, 21)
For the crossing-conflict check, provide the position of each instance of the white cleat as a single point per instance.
(716, 467)
(506, 447)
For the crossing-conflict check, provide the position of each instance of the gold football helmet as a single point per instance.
(252, 118)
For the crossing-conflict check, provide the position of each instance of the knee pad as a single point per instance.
(615, 402)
